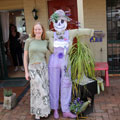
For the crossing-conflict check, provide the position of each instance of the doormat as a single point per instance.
(13, 83)
(23, 93)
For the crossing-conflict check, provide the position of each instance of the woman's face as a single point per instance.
(38, 30)
(12, 28)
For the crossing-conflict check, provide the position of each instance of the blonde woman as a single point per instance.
(36, 71)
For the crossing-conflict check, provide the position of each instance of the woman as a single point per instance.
(36, 71)
(15, 48)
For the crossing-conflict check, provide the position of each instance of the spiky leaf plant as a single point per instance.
(7, 93)
(81, 62)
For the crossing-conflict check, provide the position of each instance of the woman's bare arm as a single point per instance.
(26, 64)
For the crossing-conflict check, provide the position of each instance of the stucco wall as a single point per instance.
(11, 4)
(95, 17)
(41, 6)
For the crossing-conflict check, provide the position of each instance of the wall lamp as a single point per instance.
(34, 13)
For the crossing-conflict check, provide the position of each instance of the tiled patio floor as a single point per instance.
(106, 107)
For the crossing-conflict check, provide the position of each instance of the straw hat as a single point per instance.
(59, 14)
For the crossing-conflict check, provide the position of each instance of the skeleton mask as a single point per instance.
(60, 25)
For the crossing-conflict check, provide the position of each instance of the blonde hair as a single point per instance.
(43, 34)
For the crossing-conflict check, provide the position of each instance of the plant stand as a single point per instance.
(85, 91)
(9, 102)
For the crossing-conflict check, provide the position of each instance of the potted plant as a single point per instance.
(9, 99)
(82, 73)
(78, 106)
(81, 61)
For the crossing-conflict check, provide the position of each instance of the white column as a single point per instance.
(80, 13)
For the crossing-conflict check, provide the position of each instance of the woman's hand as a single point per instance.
(27, 76)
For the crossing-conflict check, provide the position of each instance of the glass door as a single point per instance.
(113, 35)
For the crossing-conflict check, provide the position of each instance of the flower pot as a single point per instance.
(9, 102)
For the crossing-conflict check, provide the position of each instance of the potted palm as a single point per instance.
(81, 61)
(9, 99)
(82, 73)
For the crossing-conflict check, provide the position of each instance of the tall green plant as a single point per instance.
(81, 61)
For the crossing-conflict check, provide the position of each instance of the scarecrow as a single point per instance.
(60, 42)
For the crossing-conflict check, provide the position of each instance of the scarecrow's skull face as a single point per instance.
(60, 25)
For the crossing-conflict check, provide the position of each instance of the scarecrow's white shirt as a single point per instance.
(62, 44)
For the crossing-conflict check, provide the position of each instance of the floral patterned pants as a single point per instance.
(39, 90)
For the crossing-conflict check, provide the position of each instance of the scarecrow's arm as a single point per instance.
(80, 32)
(85, 32)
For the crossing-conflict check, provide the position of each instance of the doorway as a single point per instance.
(16, 18)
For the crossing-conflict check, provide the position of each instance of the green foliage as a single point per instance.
(81, 61)
(78, 106)
(7, 93)
(54, 17)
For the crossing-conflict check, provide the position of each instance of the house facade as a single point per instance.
(95, 14)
